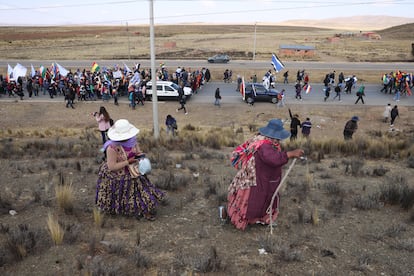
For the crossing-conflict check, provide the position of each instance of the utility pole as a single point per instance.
(254, 42)
(153, 74)
(129, 47)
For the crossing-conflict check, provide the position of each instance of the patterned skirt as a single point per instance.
(118, 193)
(237, 205)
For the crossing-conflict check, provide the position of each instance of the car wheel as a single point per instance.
(250, 100)
(274, 100)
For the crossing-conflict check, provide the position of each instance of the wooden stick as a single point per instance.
(269, 209)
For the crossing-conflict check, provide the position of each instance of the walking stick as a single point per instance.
(269, 209)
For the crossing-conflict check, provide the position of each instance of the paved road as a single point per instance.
(372, 91)
(230, 96)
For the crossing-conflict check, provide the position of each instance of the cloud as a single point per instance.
(208, 3)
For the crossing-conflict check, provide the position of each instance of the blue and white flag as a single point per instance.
(277, 64)
(135, 79)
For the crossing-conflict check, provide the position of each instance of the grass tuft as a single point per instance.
(65, 197)
(55, 230)
(98, 217)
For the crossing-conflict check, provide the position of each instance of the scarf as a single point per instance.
(130, 143)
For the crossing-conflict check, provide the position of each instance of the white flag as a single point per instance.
(33, 73)
(62, 70)
(19, 71)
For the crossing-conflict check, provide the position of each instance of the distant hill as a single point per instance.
(358, 23)
(398, 32)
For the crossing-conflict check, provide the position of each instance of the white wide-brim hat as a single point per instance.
(122, 130)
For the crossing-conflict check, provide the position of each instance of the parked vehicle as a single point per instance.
(167, 90)
(220, 58)
(257, 92)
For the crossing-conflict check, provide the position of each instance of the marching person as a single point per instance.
(70, 96)
(262, 156)
(360, 94)
(217, 97)
(338, 92)
(182, 99)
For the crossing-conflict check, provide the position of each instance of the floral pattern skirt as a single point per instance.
(119, 193)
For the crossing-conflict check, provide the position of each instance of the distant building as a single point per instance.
(371, 35)
(296, 50)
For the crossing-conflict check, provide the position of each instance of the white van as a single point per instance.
(167, 89)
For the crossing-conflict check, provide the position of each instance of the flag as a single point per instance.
(136, 78)
(242, 89)
(277, 64)
(95, 67)
(9, 73)
(117, 74)
(408, 88)
(127, 68)
(61, 70)
(19, 71)
(308, 89)
(42, 71)
(33, 73)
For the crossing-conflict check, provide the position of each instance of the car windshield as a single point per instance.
(174, 85)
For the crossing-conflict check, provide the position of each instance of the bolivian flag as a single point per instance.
(95, 67)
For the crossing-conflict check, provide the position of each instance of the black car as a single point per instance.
(257, 92)
(220, 58)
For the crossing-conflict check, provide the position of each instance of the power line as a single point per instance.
(295, 6)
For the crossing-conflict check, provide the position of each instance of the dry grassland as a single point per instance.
(199, 42)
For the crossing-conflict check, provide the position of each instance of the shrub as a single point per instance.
(140, 260)
(397, 192)
(366, 203)
(380, 171)
(410, 161)
(21, 241)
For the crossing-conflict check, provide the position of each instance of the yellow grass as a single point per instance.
(65, 197)
(55, 230)
(98, 217)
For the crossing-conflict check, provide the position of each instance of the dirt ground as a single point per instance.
(331, 221)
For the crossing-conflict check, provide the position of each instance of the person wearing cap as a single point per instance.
(260, 171)
(117, 190)
(350, 127)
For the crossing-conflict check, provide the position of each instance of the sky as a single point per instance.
(137, 12)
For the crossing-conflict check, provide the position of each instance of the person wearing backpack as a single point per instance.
(360, 94)
(259, 161)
